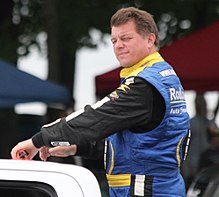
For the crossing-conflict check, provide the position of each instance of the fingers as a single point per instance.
(63, 151)
(26, 145)
(58, 151)
(44, 153)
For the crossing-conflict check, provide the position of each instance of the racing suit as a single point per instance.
(145, 148)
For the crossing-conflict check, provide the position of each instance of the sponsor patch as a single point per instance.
(60, 143)
(176, 94)
(114, 96)
(123, 87)
(179, 110)
(129, 81)
(167, 72)
(177, 101)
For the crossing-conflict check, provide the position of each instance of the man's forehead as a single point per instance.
(123, 30)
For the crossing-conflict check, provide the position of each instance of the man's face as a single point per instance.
(129, 46)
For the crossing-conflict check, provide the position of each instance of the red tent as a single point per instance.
(107, 82)
(195, 59)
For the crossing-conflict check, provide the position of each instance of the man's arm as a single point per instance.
(128, 107)
(131, 106)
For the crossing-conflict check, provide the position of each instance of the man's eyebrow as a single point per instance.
(127, 34)
(122, 35)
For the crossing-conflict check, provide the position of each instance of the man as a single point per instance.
(145, 119)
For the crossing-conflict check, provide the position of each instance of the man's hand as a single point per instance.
(26, 145)
(58, 151)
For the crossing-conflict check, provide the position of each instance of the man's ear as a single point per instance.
(151, 39)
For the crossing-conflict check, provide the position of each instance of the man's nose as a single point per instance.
(119, 44)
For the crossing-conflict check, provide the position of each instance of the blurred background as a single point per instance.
(56, 57)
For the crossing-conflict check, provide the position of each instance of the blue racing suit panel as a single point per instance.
(152, 157)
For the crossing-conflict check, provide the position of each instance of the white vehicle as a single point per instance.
(22, 178)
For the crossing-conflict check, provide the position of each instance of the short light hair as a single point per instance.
(143, 20)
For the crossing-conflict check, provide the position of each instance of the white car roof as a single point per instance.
(66, 179)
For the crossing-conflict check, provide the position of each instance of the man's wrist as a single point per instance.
(37, 140)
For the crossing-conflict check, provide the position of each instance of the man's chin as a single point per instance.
(125, 65)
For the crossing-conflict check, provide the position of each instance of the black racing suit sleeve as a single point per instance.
(128, 107)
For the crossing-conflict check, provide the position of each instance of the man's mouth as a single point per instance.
(122, 54)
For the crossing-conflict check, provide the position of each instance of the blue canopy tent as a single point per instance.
(17, 86)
